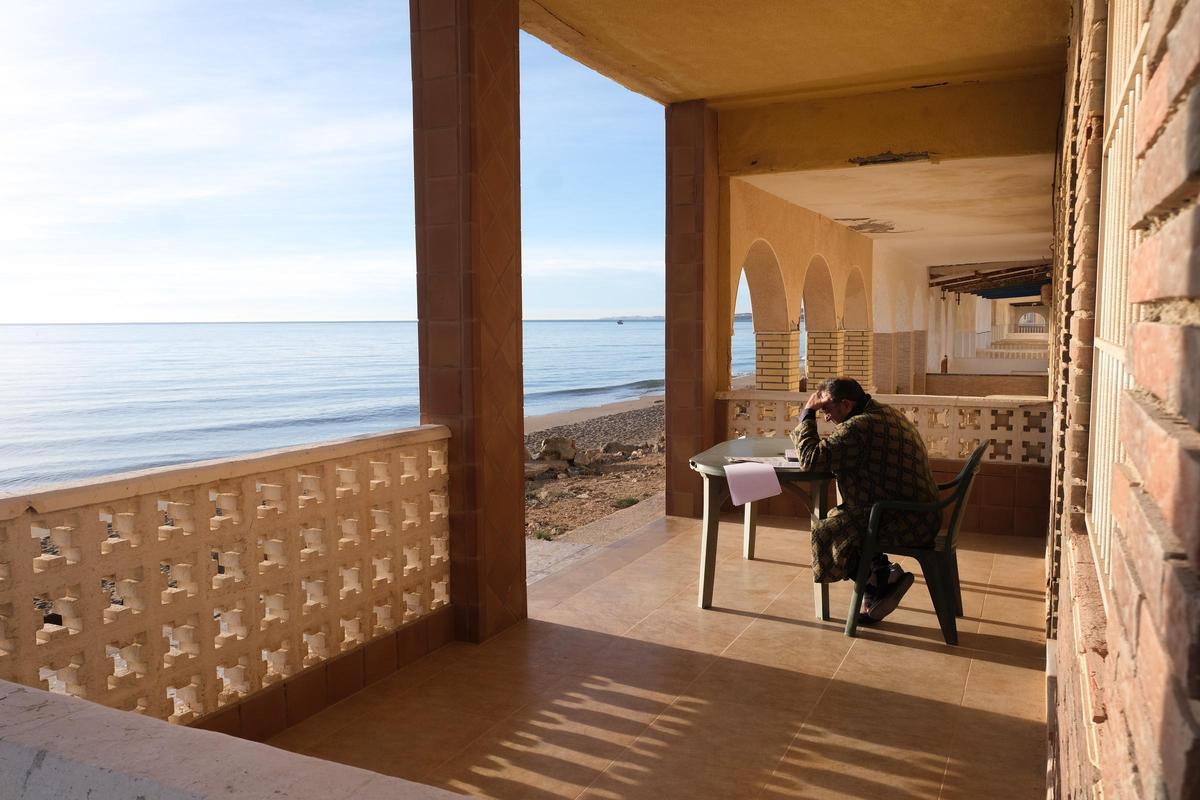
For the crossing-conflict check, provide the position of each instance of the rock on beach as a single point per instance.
(636, 427)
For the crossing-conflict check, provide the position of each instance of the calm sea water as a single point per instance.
(78, 401)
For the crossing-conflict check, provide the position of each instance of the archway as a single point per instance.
(857, 344)
(776, 342)
(764, 278)
(823, 340)
(820, 309)
(856, 316)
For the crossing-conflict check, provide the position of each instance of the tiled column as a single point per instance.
(904, 369)
(777, 361)
(824, 354)
(693, 329)
(856, 356)
(883, 354)
(920, 356)
(465, 141)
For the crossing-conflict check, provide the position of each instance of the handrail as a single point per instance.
(952, 427)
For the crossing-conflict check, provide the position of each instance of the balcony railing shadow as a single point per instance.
(620, 687)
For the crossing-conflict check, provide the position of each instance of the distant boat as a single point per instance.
(620, 322)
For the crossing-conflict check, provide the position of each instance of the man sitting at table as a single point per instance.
(876, 454)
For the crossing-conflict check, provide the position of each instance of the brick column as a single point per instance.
(857, 349)
(777, 361)
(920, 357)
(884, 357)
(697, 343)
(904, 369)
(824, 355)
(465, 142)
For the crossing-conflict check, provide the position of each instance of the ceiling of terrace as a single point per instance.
(747, 53)
(963, 211)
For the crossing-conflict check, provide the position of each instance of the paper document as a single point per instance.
(773, 461)
(751, 481)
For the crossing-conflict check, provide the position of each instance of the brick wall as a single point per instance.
(904, 362)
(824, 355)
(777, 361)
(919, 355)
(467, 168)
(697, 333)
(1128, 688)
(884, 357)
(856, 356)
(982, 385)
(1010, 499)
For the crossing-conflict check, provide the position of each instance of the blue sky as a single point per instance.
(174, 161)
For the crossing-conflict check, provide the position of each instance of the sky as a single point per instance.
(167, 160)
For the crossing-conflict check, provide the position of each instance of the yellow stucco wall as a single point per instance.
(977, 120)
(760, 225)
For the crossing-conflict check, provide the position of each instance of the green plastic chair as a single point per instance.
(939, 563)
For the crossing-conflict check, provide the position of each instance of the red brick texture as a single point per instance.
(467, 164)
(1009, 499)
(1129, 667)
(697, 363)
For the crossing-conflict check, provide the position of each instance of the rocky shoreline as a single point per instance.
(581, 472)
(639, 426)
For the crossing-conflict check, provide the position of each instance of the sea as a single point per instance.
(80, 401)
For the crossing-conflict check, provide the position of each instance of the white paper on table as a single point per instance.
(750, 481)
(773, 461)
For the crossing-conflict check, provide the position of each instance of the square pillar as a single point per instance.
(824, 354)
(696, 343)
(904, 362)
(468, 205)
(777, 360)
(884, 357)
(857, 347)
(920, 357)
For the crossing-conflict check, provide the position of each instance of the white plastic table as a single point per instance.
(711, 466)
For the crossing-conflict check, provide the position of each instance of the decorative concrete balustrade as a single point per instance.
(1019, 428)
(176, 592)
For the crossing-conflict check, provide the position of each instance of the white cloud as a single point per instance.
(81, 287)
(566, 258)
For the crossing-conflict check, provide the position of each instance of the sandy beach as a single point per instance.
(560, 502)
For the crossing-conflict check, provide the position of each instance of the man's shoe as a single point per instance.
(882, 606)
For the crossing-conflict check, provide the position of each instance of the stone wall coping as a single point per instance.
(161, 479)
(54, 747)
(995, 401)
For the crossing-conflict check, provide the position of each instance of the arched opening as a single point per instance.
(819, 308)
(857, 344)
(822, 351)
(1031, 322)
(774, 341)
(764, 281)
(741, 343)
(856, 316)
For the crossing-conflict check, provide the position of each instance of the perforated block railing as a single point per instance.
(952, 427)
(176, 592)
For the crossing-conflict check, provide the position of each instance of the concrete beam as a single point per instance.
(975, 120)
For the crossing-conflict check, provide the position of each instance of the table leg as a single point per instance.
(715, 492)
(749, 529)
(820, 509)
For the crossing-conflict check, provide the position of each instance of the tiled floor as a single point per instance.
(620, 687)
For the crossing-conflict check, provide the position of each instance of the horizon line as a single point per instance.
(611, 318)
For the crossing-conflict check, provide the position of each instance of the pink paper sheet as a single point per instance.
(750, 481)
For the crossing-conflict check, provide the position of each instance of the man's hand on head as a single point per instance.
(816, 402)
